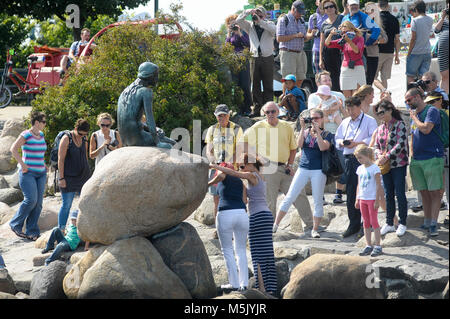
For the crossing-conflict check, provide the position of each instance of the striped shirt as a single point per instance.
(33, 151)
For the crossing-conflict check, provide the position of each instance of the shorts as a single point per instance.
(213, 189)
(294, 63)
(385, 61)
(418, 64)
(350, 78)
(427, 175)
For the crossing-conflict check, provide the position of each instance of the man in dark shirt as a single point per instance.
(386, 55)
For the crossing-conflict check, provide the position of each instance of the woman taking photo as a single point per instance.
(32, 177)
(391, 151)
(73, 167)
(330, 58)
(261, 221)
(353, 74)
(232, 223)
(104, 140)
(313, 141)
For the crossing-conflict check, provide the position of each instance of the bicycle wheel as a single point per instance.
(5, 97)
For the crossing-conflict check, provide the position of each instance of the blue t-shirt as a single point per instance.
(311, 158)
(230, 192)
(300, 97)
(427, 146)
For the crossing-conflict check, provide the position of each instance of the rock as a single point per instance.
(74, 277)
(41, 242)
(21, 295)
(47, 283)
(331, 276)
(285, 253)
(10, 195)
(131, 269)
(13, 128)
(12, 178)
(283, 275)
(4, 295)
(183, 252)
(410, 238)
(144, 196)
(243, 121)
(6, 213)
(400, 289)
(39, 260)
(445, 292)
(7, 162)
(3, 183)
(6, 282)
(205, 212)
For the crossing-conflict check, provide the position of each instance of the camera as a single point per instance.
(350, 35)
(308, 120)
(418, 84)
(255, 17)
(346, 142)
(316, 33)
(234, 27)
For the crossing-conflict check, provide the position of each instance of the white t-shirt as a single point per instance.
(367, 186)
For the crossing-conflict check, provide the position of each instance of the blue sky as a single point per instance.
(204, 14)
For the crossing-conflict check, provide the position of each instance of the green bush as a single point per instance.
(193, 79)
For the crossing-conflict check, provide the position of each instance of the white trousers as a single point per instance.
(301, 178)
(234, 223)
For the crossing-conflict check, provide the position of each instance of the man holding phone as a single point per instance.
(353, 130)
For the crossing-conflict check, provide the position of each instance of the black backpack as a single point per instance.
(55, 148)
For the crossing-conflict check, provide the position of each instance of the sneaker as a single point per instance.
(315, 234)
(401, 230)
(387, 229)
(377, 251)
(417, 208)
(433, 231)
(425, 227)
(242, 288)
(337, 199)
(320, 229)
(46, 250)
(366, 251)
(350, 232)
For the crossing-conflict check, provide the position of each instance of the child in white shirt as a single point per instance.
(329, 101)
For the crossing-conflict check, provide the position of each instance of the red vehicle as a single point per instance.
(44, 64)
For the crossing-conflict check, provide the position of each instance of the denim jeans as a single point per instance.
(2, 262)
(63, 245)
(394, 186)
(63, 215)
(33, 187)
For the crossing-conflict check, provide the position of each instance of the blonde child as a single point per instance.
(368, 195)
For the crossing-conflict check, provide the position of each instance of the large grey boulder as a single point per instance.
(7, 162)
(140, 191)
(13, 127)
(47, 283)
(333, 276)
(183, 252)
(6, 283)
(131, 269)
(10, 195)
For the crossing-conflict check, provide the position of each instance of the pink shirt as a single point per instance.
(348, 52)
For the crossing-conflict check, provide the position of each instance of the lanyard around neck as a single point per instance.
(356, 133)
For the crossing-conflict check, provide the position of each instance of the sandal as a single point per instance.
(33, 238)
(19, 234)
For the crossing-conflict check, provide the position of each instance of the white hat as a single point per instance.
(350, 2)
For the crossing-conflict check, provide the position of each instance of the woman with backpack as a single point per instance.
(32, 177)
(105, 140)
(73, 167)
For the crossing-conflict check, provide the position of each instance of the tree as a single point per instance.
(44, 9)
(193, 73)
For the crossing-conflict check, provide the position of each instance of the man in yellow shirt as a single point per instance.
(221, 140)
(273, 140)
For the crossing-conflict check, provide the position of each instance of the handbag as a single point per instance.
(331, 165)
(386, 167)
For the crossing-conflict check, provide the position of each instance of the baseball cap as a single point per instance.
(299, 6)
(74, 214)
(289, 77)
(221, 109)
(324, 89)
(350, 2)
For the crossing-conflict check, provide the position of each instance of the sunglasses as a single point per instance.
(329, 7)
(43, 122)
(271, 112)
(381, 113)
(407, 101)
(316, 118)
(82, 134)
(242, 166)
(105, 125)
